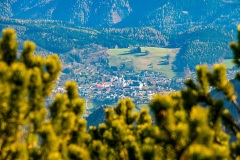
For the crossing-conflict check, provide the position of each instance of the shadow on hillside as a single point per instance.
(138, 54)
(141, 54)
(126, 53)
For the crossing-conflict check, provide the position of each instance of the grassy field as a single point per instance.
(140, 62)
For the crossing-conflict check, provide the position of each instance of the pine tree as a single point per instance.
(188, 124)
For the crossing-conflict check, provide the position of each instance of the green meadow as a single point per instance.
(153, 61)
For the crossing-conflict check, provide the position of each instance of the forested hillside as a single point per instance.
(60, 26)
(86, 12)
(58, 37)
(107, 13)
(201, 45)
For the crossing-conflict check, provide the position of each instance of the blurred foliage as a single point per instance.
(188, 124)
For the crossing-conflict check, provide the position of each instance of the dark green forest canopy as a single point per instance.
(184, 127)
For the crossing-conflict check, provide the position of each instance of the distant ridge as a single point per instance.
(117, 13)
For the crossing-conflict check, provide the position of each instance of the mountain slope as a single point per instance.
(107, 13)
(81, 12)
(198, 27)
(58, 37)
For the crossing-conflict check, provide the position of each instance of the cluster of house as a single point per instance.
(103, 84)
(140, 87)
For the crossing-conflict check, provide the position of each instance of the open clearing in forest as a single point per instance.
(155, 60)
